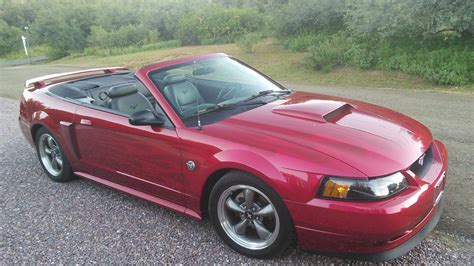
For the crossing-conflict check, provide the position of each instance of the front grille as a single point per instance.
(423, 164)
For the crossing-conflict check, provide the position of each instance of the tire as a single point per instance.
(51, 157)
(238, 217)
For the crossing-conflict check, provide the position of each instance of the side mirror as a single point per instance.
(145, 118)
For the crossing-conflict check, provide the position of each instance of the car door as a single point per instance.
(145, 158)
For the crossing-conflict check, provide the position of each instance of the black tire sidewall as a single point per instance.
(286, 235)
(66, 174)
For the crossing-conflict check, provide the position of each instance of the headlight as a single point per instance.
(354, 189)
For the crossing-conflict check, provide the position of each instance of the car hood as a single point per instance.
(374, 140)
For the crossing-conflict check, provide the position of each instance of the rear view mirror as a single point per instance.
(203, 71)
(145, 118)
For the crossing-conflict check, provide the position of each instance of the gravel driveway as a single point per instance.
(83, 222)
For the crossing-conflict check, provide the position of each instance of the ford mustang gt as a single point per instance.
(209, 136)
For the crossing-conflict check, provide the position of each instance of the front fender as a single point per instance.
(254, 164)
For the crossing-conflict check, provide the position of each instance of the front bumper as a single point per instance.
(376, 231)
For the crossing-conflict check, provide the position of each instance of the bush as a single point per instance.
(447, 66)
(309, 16)
(249, 42)
(362, 55)
(408, 18)
(63, 28)
(10, 38)
(329, 53)
(122, 37)
(443, 63)
(218, 25)
(100, 51)
(302, 42)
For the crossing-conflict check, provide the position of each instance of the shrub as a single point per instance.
(10, 38)
(329, 53)
(408, 18)
(218, 25)
(447, 66)
(104, 51)
(63, 28)
(443, 62)
(249, 42)
(308, 16)
(362, 55)
(302, 42)
(122, 37)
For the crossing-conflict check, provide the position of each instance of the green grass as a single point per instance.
(275, 61)
(20, 54)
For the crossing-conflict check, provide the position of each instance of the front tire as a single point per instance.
(250, 216)
(51, 156)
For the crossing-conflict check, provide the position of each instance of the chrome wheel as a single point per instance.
(50, 154)
(248, 217)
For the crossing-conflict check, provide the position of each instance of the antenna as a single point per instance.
(199, 127)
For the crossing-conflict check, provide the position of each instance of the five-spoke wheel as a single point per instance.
(250, 216)
(51, 156)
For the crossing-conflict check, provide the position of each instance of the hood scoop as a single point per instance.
(320, 111)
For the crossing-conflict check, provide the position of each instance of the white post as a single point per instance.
(23, 39)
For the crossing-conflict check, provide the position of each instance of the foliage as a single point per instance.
(307, 16)
(447, 66)
(430, 38)
(107, 51)
(329, 53)
(63, 28)
(441, 63)
(166, 23)
(249, 42)
(121, 37)
(218, 25)
(407, 18)
(10, 39)
(18, 15)
(302, 42)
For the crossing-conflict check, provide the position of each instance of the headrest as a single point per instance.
(173, 79)
(122, 90)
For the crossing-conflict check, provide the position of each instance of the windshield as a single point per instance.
(214, 85)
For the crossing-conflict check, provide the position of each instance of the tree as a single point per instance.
(10, 38)
(63, 28)
(383, 18)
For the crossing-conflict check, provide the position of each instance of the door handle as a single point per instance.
(86, 122)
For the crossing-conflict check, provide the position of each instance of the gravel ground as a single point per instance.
(83, 222)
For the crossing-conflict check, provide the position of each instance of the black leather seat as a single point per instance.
(126, 99)
(183, 95)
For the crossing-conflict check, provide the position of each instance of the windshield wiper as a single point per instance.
(247, 101)
(226, 106)
(267, 92)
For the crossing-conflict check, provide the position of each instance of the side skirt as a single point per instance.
(153, 199)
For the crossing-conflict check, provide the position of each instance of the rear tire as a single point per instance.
(250, 216)
(51, 157)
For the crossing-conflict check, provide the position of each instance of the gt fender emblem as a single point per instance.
(191, 165)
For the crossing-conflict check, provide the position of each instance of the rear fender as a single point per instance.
(62, 131)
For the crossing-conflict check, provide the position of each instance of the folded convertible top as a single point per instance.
(39, 82)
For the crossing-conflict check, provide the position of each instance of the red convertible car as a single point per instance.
(209, 136)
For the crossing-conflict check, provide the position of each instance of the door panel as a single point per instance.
(142, 157)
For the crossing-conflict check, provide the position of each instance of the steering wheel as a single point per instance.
(228, 92)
